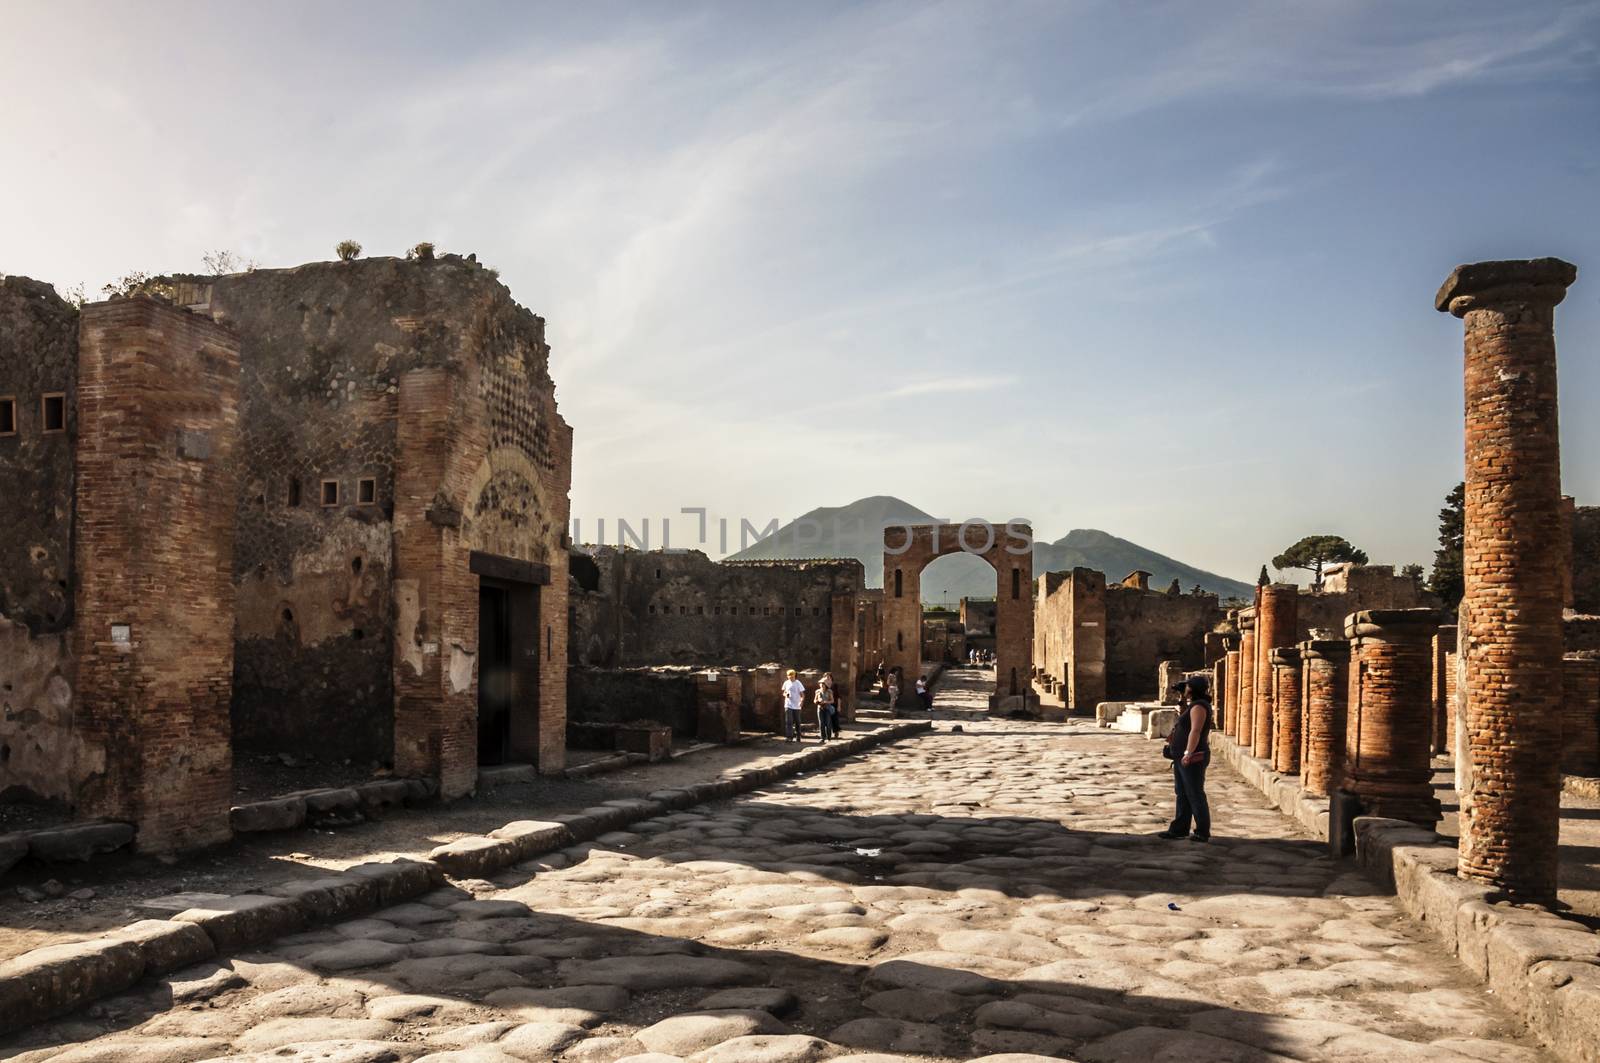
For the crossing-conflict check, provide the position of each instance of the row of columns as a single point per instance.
(1365, 714)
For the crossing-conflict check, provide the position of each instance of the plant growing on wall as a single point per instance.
(1447, 580)
(224, 261)
(347, 250)
(1315, 551)
(422, 252)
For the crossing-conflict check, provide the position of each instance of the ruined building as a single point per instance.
(320, 510)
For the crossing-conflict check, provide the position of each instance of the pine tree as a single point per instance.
(1448, 580)
(1263, 579)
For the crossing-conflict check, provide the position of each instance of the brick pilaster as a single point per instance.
(1275, 628)
(1287, 722)
(1389, 732)
(1326, 664)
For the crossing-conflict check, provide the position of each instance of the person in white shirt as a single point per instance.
(922, 693)
(794, 696)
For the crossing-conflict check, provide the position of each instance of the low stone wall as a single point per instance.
(57, 979)
(624, 696)
(1545, 968)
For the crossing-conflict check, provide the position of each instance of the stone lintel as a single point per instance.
(1542, 280)
(1325, 650)
(1378, 623)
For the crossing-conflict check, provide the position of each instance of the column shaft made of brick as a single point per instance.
(158, 422)
(1389, 730)
(436, 592)
(1220, 674)
(1513, 561)
(1239, 721)
(1580, 730)
(1326, 664)
(1276, 627)
(1443, 685)
(1288, 720)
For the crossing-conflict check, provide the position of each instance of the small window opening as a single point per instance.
(815, 611)
(294, 492)
(652, 610)
(766, 610)
(288, 616)
(366, 491)
(330, 492)
(658, 573)
(699, 610)
(355, 565)
(53, 412)
(683, 610)
(1016, 583)
(897, 587)
(8, 416)
(358, 634)
(752, 610)
(900, 640)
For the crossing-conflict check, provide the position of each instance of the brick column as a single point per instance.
(1286, 708)
(1580, 728)
(1569, 515)
(1326, 663)
(1444, 651)
(1239, 725)
(1510, 763)
(158, 422)
(1275, 628)
(1389, 731)
(1220, 694)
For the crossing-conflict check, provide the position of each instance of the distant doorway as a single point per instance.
(508, 671)
(495, 680)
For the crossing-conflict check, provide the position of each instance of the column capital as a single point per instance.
(1325, 650)
(1480, 284)
(1287, 656)
(1392, 623)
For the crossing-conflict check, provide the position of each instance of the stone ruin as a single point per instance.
(286, 511)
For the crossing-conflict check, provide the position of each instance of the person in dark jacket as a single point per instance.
(1189, 749)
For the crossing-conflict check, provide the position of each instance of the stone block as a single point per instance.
(717, 721)
(1513, 951)
(79, 843)
(331, 898)
(235, 923)
(654, 743)
(1160, 722)
(167, 945)
(532, 837)
(420, 791)
(331, 806)
(382, 796)
(60, 978)
(475, 857)
(283, 813)
(13, 847)
(400, 880)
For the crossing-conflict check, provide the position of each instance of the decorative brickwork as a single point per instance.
(1509, 759)
(1276, 627)
(155, 597)
(1007, 547)
(1287, 721)
(1326, 667)
(1388, 733)
(1580, 727)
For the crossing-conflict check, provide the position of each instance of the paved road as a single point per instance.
(950, 897)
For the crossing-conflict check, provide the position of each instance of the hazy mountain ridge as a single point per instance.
(856, 530)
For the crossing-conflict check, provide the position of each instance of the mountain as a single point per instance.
(856, 530)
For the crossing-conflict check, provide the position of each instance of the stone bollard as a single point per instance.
(1389, 733)
(1239, 725)
(1580, 728)
(1326, 663)
(1275, 628)
(1286, 710)
(1508, 758)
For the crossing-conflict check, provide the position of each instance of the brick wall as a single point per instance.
(155, 599)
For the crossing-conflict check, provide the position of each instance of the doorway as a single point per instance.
(508, 671)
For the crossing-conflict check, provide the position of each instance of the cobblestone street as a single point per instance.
(992, 892)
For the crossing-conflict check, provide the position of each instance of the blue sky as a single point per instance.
(1163, 269)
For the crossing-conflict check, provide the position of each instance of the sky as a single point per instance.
(1162, 269)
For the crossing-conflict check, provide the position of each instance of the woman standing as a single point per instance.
(1189, 749)
(827, 712)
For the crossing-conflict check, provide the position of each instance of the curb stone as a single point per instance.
(57, 979)
(1545, 968)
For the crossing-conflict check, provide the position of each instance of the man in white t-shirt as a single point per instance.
(794, 696)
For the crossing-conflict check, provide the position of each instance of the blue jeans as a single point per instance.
(1189, 780)
(791, 723)
(828, 721)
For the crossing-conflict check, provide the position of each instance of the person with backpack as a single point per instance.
(1189, 749)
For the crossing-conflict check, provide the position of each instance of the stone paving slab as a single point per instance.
(991, 894)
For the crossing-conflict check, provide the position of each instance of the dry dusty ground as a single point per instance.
(947, 897)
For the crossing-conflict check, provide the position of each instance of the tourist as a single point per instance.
(923, 697)
(893, 687)
(794, 697)
(1189, 749)
(827, 708)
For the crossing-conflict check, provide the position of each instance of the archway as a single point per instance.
(907, 550)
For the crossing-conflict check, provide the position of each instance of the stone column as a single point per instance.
(1276, 624)
(1286, 710)
(1509, 756)
(1239, 725)
(1444, 651)
(1227, 679)
(1326, 663)
(1389, 730)
(1580, 730)
(1569, 515)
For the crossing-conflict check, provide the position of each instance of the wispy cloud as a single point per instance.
(952, 385)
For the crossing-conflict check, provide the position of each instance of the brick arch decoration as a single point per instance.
(1008, 548)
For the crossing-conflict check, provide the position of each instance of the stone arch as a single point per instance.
(1008, 548)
